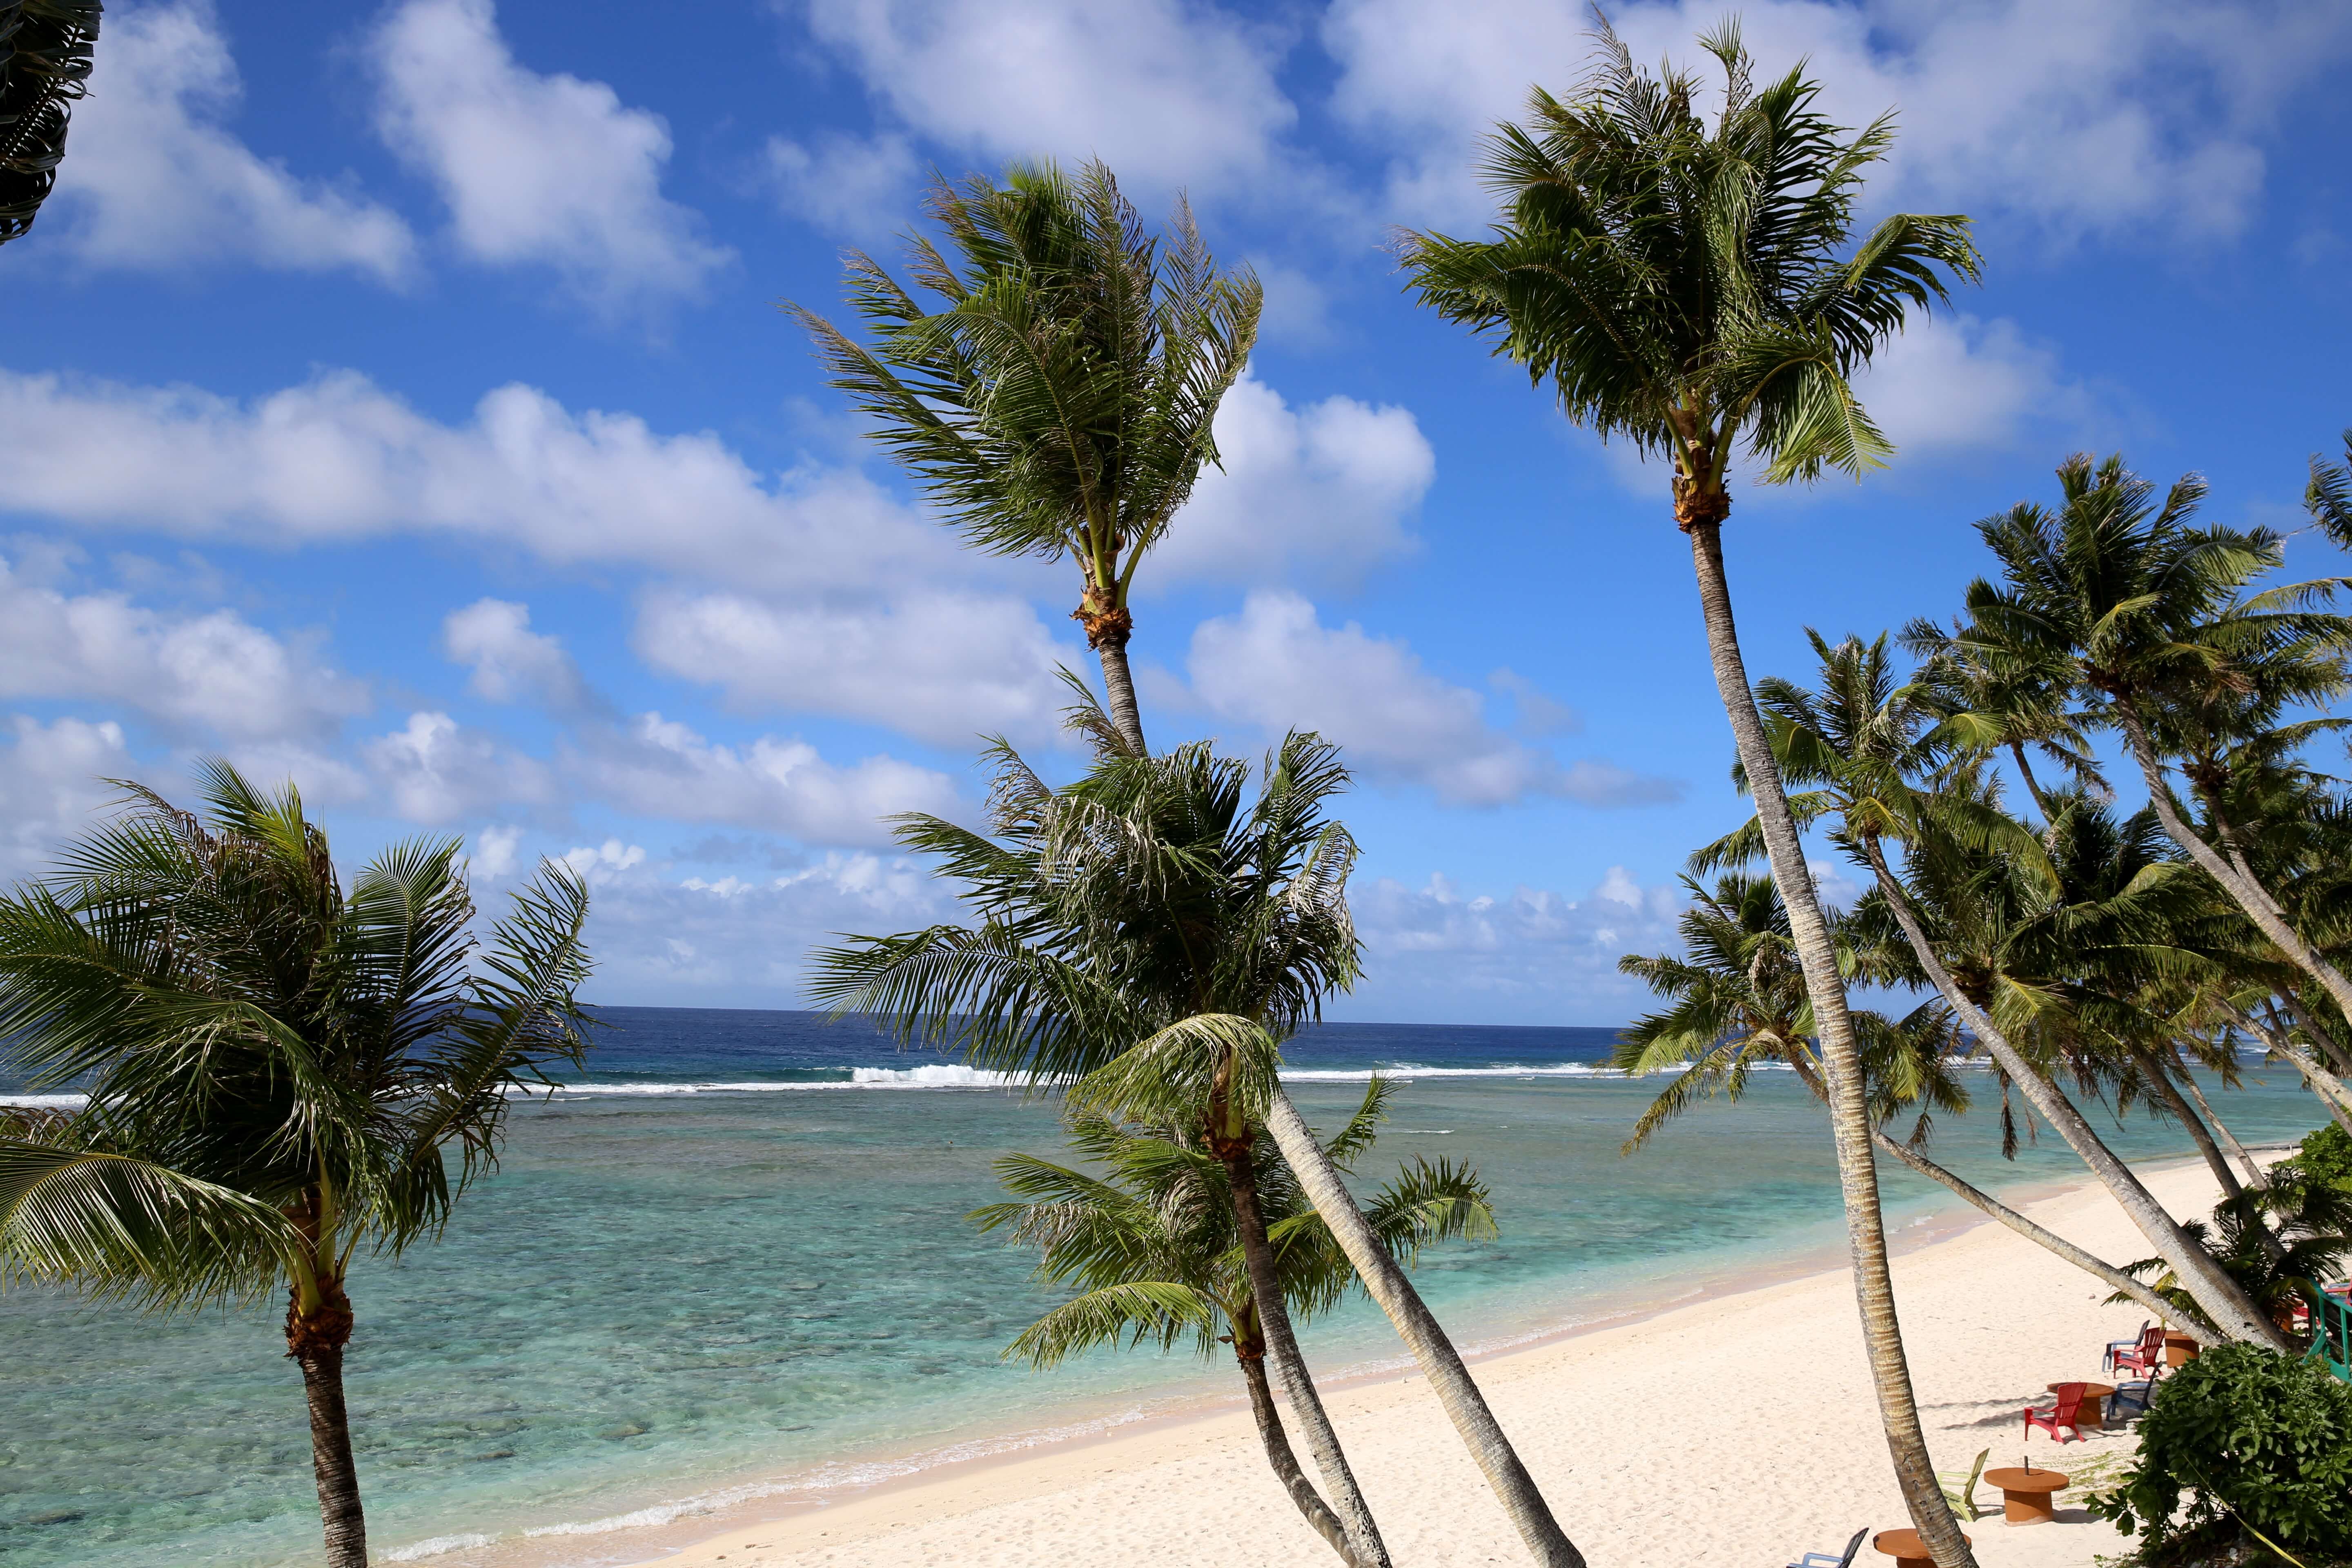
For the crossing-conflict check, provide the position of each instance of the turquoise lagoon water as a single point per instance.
(731, 1263)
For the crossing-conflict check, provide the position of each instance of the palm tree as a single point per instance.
(2001, 923)
(2281, 1239)
(1690, 288)
(1148, 936)
(47, 49)
(1738, 1002)
(279, 1071)
(1061, 401)
(1151, 1247)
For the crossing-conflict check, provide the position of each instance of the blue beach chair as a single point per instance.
(1823, 1560)
(2130, 1399)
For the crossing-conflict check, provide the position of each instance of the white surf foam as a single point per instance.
(436, 1546)
(44, 1102)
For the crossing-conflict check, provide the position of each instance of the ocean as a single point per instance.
(728, 1269)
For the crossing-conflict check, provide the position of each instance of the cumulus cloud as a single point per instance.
(1531, 953)
(855, 185)
(1951, 383)
(337, 459)
(942, 667)
(213, 675)
(664, 769)
(436, 771)
(510, 662)
(546, 171)
(1276, 665)
(51, 783)
(157, 183)
(1170, 93)
(1325, 489)
(2081, 117)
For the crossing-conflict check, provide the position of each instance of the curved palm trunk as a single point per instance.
(1249, 1349)
(1431, 1351)
(1985, 1202)
(2330, 1053)
(1109, 625)
(315, 1338)
(2221, 1129)
(1363, 1536)
(2214, 1291)
(1850, 1123)
(2161, 1082)
(2330, 1089)
(2236, 880)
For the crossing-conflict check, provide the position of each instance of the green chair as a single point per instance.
(1963, 1497)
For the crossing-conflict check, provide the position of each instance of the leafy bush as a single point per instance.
(2257, 1443)
(2326, 1156)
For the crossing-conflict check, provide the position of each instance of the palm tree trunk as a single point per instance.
(1364, 1546)
(2214, 1291)
(2327, 1050)
(2161, 1082)
(1431, 1351)
(315, 1340)
(2220, 1128)
(1850, 1123)
(1985, 1202)
(2330, 1089)
(1119, 684)
(2242, 885)
(1252, 1356)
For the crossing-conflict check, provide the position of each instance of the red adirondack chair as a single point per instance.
(2146, 1356)
(2066, 1414)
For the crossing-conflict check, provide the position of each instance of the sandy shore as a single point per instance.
(1738, 1430)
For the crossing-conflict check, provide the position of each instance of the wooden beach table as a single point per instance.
(1906, 1547)
(2180, 1350)
(2095, 1399)
(2028, 1497)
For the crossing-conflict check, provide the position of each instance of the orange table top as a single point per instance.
(1901, 1542)
(2016, 1480)
(2095, 1390)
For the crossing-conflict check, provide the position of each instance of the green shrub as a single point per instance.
(2248, 1438)
(2326, 1156)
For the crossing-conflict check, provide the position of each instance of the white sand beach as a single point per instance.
(1736, 1430)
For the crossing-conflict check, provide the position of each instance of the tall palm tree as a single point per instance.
(1151, 1247)
(1061, 399)
(279, 1070)
(47, 49)
(1692, 287)
(1737, 1001)
(2000, 923)
(1148, 936)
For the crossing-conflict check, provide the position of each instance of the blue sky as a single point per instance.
(396, 401)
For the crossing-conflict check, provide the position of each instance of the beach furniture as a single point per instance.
(2027, 1496)
(2331, 1340)
(2066, 1413)
(2131, 1398)
(2107, 1361)
(1963, 1497)
(2180, 1350)
(2095, 1401)
(1823, 1560)
(2144, 1355)
(1906, 1547)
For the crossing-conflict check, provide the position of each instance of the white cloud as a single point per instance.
(1324, 490)
(214, 675)
(1168, 93)
(1532, 954)
(495, 852)
(664, 769)
(944, 668)
(855, 186)
(1951, 383)
(536, 170)
(510, 662)
(51, 783)
(1275, 666)
(337, 460)
(2086, 117)
(437, 770)
(155, 181)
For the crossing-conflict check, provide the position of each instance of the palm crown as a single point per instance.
(1686, 286)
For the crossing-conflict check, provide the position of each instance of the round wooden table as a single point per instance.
(2180, 1350)
(2027, 1496)
(1906, 1547)
(2097, 1393)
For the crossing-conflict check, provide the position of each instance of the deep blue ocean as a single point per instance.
(729, 1264)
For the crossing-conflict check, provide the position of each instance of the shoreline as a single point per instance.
(843, 1505)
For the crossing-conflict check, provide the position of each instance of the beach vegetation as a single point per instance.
(2324, 1156)
(1697, 288)
(1150, 1250)
(2245, 1455)
(48, 48)
(280, 1070)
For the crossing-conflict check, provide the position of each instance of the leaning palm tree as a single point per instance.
(279, 1071)
(1148, 936)
(1151, 1247)
(1061, 398)
(47, 49)
(1692, 288)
